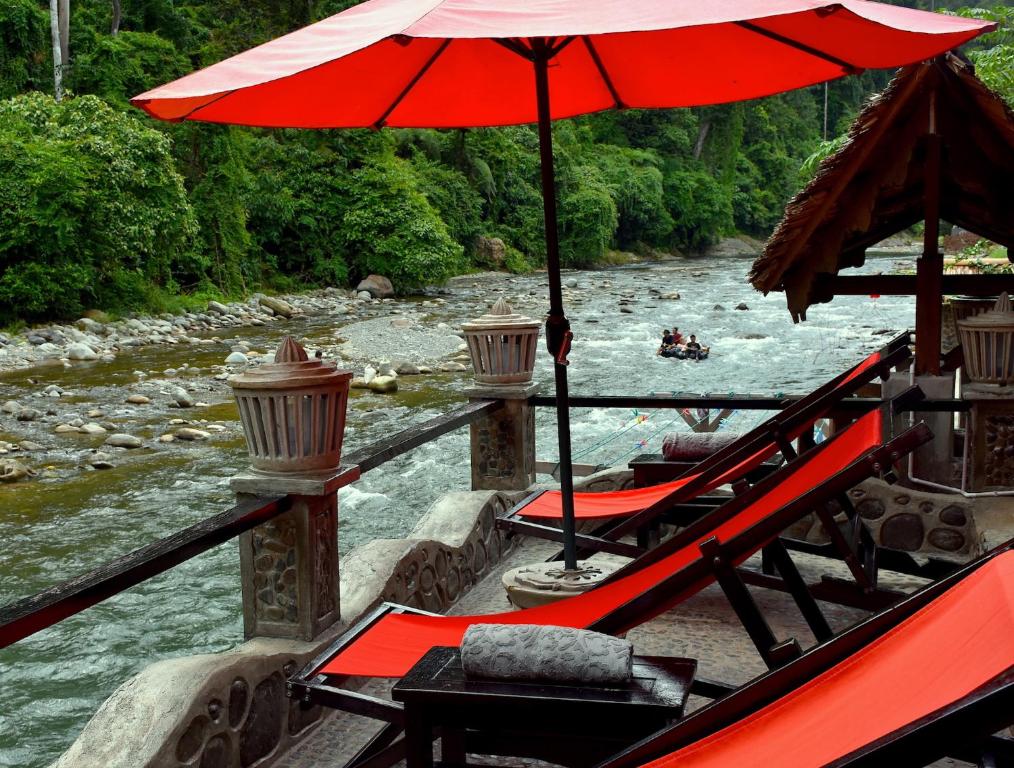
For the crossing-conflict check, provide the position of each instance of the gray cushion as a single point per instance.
(695, 446)
(535, 652)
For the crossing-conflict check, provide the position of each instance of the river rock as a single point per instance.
(28, 445)
(138, 400)
(218, 308)
(236, 358)
(424, 369)
(91, 428)
(27, 414)
(81, 351)
(378, 286)
(626, 310)
(95, 413)
(385, 369)
(189, 433)
(11, 471)
(64, 428)
(358, 382)
(11, 406)
(181, 397)
(121, 440)
(742, 306)
(718, 308)
(407, 369)
(453, 367)
(101, 461)
(369, 373)
(88, 325)
(383, 384)
(402, 322)
(278, 306)
(364, 295)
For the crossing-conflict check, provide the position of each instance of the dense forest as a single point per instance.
(102, 207)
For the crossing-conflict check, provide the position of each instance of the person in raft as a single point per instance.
(668, 348)
(694, 350)
(677, 337)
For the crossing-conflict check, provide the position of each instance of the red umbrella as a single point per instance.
(468, 63)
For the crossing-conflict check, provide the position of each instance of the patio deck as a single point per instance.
(704, 628)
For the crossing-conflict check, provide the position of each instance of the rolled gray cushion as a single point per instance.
(694, 446)
(535, 652)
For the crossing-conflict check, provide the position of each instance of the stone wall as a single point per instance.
(909, 520)
(229, 710)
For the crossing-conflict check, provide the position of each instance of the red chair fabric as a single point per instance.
(612, 504)
(391, 646)
(957, 643)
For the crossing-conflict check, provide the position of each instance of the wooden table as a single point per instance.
(568, 724)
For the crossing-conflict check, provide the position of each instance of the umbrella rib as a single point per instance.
(382, 120)
(602, 71)
(515, 46)
(849, 68)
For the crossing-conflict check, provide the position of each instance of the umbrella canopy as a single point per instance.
(450, 63)
(472, 63)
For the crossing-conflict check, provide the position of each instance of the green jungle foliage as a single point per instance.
(102, 207)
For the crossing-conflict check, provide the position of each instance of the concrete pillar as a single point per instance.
(990, 436)
(503, 443)
(935, 460)
(289, 565)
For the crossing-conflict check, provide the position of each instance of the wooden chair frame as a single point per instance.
(310, 686)
(774, 431)
(963, 729)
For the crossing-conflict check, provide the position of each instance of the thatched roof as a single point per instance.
(873, 186)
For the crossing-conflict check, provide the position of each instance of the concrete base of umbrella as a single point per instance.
(541, 583)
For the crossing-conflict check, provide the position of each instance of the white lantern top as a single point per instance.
(292, 369)
(500, 318)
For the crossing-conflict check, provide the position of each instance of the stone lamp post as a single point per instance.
(988, 343)
(293, 414)
(502, 345)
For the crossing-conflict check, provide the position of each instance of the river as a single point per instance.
(67, 521)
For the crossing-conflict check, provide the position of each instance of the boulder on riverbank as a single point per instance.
(276, 305)
(378, 286)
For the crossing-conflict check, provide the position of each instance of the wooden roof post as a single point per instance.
(930, 266)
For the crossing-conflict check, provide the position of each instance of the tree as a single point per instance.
(54, 27)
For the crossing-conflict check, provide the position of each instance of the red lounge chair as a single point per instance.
(391, 640)
(638, 507)
(931, 677)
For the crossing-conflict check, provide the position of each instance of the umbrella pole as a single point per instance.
(557, 326)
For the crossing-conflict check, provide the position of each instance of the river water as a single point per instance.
(56, 527)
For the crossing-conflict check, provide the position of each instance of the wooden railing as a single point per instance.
(24, 617)
(29, 615)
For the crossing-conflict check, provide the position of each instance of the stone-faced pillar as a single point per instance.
(990, 436)
(503, 442)
(289, 565)
(502, 346)
(293, 413)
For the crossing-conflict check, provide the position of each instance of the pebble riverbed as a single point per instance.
(88, 502)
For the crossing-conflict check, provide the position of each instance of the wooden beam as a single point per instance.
(930, 266)
(905, 285)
